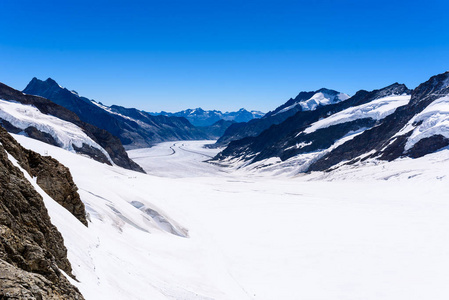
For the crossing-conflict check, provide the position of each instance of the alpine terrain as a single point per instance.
(326, 197)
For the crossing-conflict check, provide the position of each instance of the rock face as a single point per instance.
(110, 143)
(32, 250)
(53, 177)
(386, 141)
(290, 137)
(384, 124)
(305, 101)
(134, 128)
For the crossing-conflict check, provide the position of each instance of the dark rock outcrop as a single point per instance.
(381, 139)
(110, 143)
(281, 140)
(134, 128)
(53, 177)
(32, 250)
(257, 126)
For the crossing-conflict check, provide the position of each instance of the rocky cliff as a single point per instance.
(32, 251)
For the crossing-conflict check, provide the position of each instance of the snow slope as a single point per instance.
(318, 99)
(66, 134)
(376, 110)
(433, 120)
(376, 232)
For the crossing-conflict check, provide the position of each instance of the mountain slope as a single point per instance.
(32, 250)
(413, 130)
(310, 132)
(203, 118)
(136, 129)
(46, 121)
(305, 101)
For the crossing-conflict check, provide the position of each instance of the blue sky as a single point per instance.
(220, 54)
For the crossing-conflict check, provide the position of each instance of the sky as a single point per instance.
(220, 54)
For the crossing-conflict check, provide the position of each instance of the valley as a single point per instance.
(350, 234)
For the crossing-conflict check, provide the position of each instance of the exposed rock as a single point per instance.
(280, 140)
(134, 128)
(34, 133)
(255, 127)
(53, 177)
(110, 143)
(17, 284)
(382, 140)
(32, 250)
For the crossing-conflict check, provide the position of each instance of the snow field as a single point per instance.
(381, 233)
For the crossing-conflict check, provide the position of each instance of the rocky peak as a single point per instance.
(391, 90)
(436, 87)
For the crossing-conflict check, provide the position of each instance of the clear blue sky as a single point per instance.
(220, 54)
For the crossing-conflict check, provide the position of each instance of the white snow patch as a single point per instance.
(434, 120)
(376, 110)
(380, 231)
(66, 134)
(318, 99)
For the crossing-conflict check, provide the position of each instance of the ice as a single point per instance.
(376, 110)
(433, 120)
(374, 230)
(66, 134)
(318, 99)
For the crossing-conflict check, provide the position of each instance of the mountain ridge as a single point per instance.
(200, 117)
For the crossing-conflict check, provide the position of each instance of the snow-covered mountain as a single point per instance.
(46, 121)
(304, 101)
(134, 127)
(200, 117)
(135, 236)
(384, 124)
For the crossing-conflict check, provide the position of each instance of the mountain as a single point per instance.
(44, 120)
(413, 130)
(134, 128)
(32, 250)
(203, 118)
(386, 124)
(311, 134)
(305, 101)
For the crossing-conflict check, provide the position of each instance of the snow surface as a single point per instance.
(376, 110)
(186, 157)
(318, 99)
(434, 120)
(375, 231)
(66, 134)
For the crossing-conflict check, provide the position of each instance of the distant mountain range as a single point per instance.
(200, 117)
(134, 128)
(383, 124)
(316, 130)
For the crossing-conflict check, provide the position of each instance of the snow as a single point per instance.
(376, 110)
(371, 231)
(296, 164)
(434, 120)
(318, 99)
(186, 157)
(66, 134)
